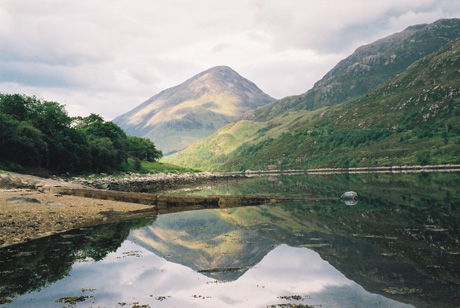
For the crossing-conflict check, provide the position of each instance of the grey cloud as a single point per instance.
(334, 26)
(33, 75)
(104, 55)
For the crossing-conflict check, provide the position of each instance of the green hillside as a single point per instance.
(213, 153)
(369, 66)
(411, 119)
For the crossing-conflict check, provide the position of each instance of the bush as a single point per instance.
(137, 164)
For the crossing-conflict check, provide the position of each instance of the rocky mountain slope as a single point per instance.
(368, 67)
(179, 116)
(411, 119)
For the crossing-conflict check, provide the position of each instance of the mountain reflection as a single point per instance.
(401, 240)
(205, 242)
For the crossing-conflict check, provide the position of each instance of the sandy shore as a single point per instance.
(48, 213)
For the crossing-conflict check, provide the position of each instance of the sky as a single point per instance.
(109, 56)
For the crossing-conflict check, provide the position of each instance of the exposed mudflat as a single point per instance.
(29, 212)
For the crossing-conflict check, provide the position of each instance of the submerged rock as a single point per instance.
(349, 198)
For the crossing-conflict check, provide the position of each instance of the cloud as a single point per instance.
(108, 56)
(330, 26)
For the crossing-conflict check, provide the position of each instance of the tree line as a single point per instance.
(40, 134)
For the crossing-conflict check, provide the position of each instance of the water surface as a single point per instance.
(397, 247)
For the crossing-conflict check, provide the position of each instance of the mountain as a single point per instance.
(179, 116)
(368, 67)
(412, 118)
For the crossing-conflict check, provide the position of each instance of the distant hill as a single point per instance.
(412, 118)
(179, 116)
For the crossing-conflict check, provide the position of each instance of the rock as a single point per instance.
(22, 200)
(5, 180)
(53, 203)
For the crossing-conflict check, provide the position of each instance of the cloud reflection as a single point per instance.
(133, 274)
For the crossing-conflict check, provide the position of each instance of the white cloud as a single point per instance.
(108, 56)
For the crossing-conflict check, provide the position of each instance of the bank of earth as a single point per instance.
(33, 207)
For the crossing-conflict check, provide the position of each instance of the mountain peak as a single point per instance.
(392, 102)
(219, 79)
(194, 109)
(216, 72)
(221, 68)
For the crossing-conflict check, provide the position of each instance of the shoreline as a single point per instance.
(27, 214)
(390, 169)
(32, 207)
(151, 183)
(53, 206)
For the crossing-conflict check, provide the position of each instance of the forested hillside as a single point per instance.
(39, 137)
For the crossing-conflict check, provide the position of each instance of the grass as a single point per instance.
(160, 167)
(146, 167)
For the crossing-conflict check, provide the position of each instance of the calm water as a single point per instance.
(397, 247)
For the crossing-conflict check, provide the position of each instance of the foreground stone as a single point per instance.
(166, 203)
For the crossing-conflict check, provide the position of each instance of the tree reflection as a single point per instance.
(31, 266)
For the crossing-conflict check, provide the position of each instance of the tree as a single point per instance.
(36, 133)
(21, 143)
(103, 154)
(18, 107)
(143, 148)
(108, 143)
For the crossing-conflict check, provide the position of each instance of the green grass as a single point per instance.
(160, 167)
(146, 167)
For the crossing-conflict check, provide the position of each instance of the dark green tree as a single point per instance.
(21, 143)
(18, 107)
(108, 143)
(36, 133)
(143, 149)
